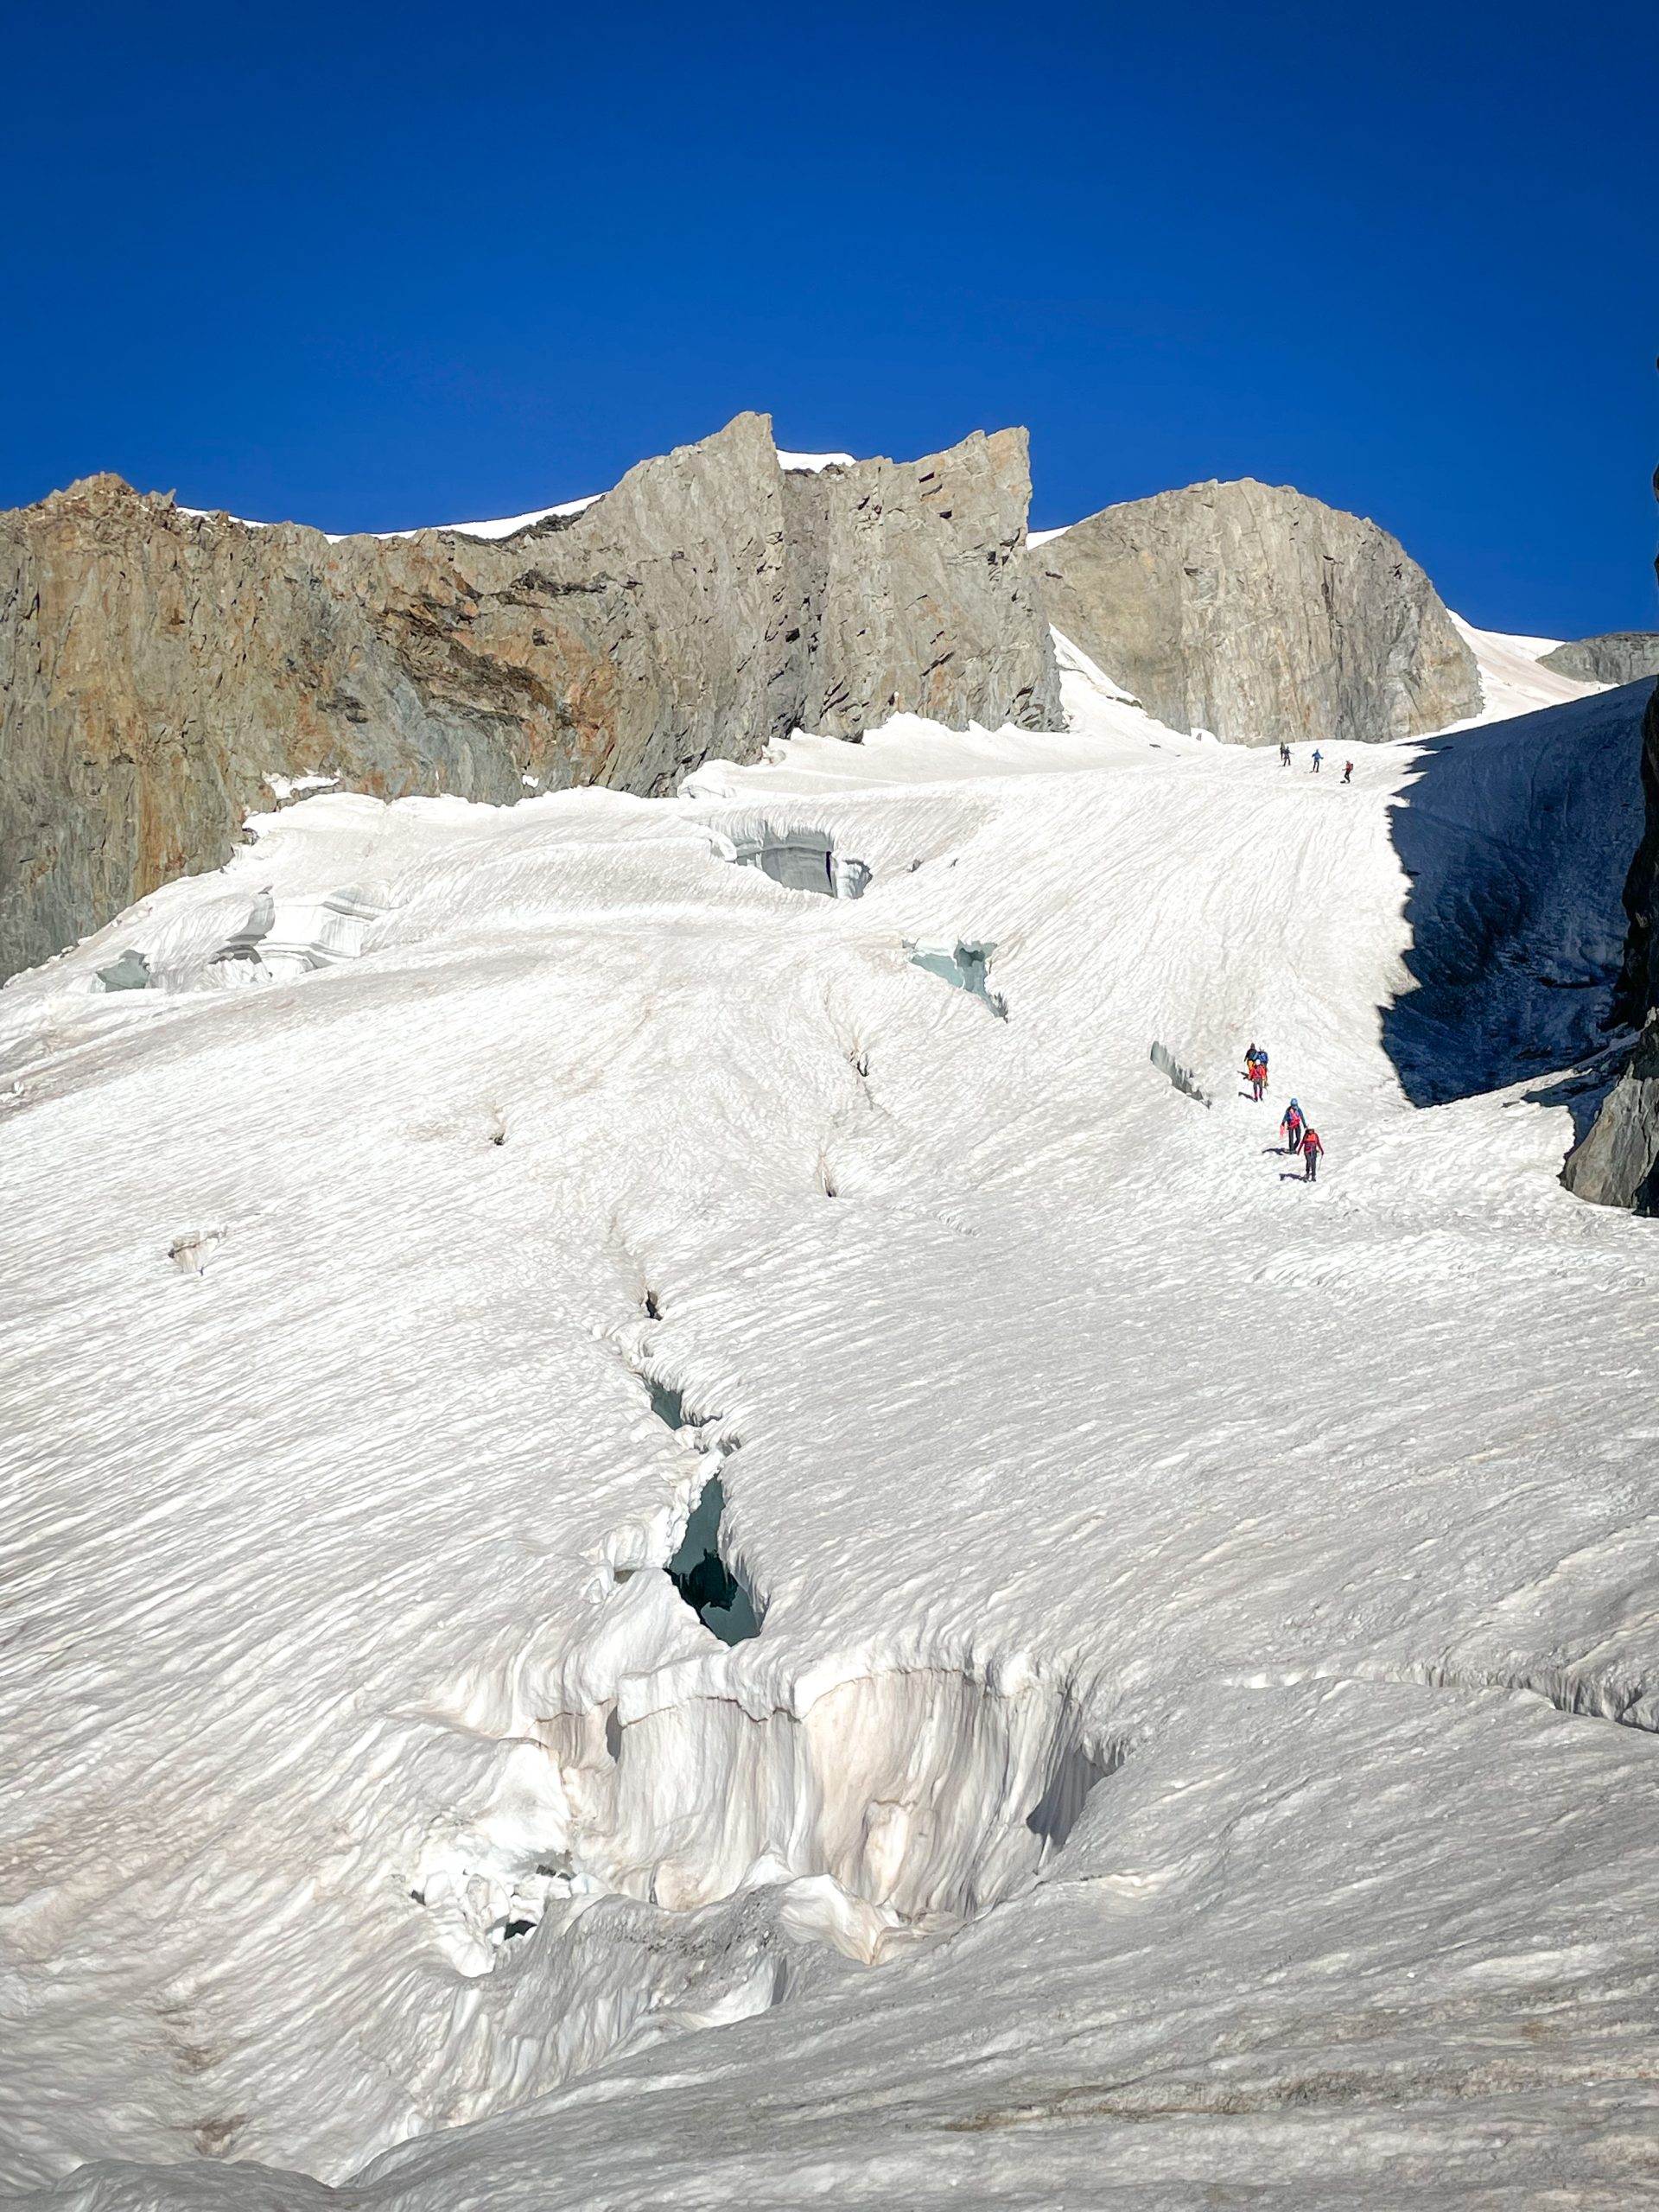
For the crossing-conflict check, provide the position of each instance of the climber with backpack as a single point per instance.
(1292, 1126)
(1313, 1146)
(1318, 757)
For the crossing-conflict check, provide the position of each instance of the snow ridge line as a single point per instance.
(1577, 1697)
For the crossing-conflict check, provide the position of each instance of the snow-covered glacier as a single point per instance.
(1152, 1703)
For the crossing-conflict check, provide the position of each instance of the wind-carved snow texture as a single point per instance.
(1183, 1078)
(381, 1780)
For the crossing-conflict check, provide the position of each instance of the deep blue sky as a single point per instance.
(374, 265)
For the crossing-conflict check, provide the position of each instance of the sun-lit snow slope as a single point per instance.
(367, 1776)
(1512, 681)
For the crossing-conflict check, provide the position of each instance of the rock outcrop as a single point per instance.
(1260, 615)
(1616, 657)
(1616, 1162)
(158, 668)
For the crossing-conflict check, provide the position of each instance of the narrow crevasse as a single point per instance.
(711, 1585)
(715, 1592)
(1623, 1696)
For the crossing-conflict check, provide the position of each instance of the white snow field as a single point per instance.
(1178, 1760)
(1511, 681)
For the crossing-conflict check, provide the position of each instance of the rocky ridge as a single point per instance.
(1260, 615)
(160, 668)
(1616, 657)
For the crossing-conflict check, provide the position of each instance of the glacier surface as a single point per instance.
(1194, 1732)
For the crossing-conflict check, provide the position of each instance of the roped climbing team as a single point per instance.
(1298, 1131)
(1316, 763)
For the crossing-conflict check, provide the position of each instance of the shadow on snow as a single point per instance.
(1517, 839)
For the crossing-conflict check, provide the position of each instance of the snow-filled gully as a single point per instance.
(678, 1837)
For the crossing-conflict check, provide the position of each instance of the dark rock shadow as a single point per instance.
(1517, 839)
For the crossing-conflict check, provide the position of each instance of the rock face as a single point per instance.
(158, 667)
(1616, 656)
(1617, 1163)
(1256, 612)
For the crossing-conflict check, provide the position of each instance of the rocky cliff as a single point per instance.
(1260, 615)
(158, 667)
(1616, 657)
(1616, 1162)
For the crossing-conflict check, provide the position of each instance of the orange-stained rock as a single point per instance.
(156, 666)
